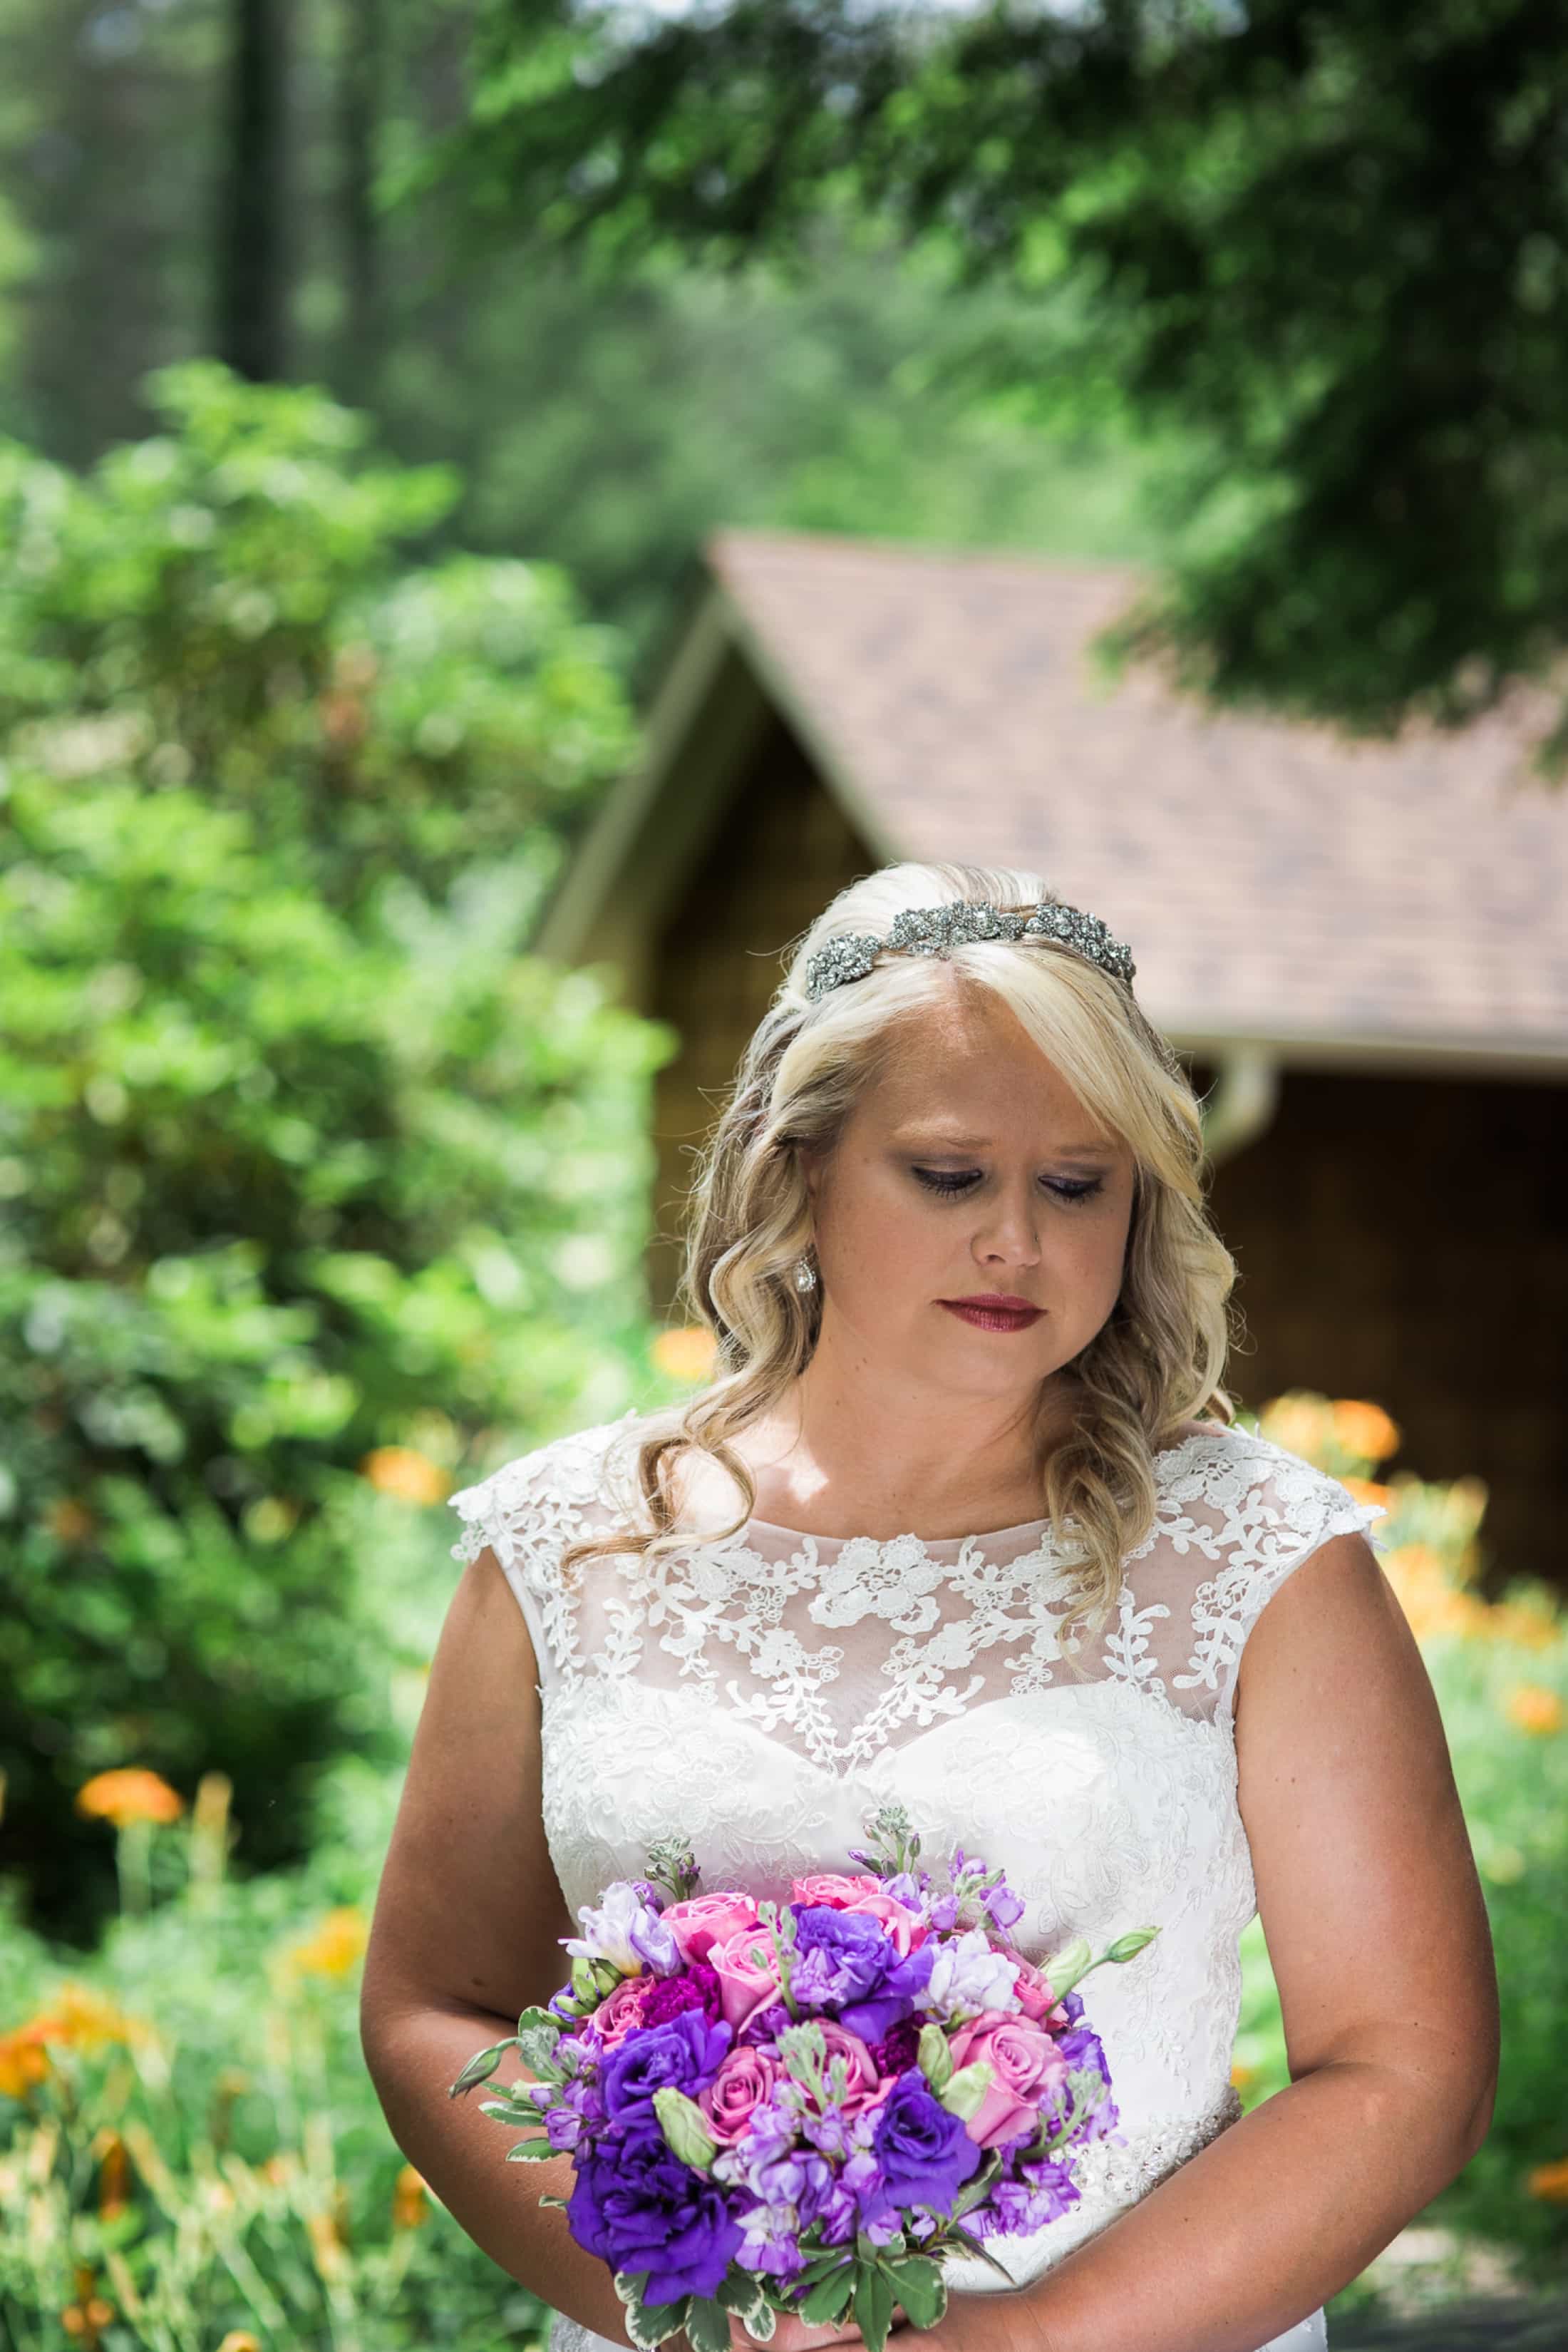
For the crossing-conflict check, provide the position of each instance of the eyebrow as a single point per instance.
(982, 1143)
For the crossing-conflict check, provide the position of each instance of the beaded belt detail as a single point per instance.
(1121, 2169)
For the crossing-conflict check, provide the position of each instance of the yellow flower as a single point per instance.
(129, 1795)
(412, 1477)
(1241, 2075)
(410, 2208)
(338, 1943)
(1549, 2181)
(687, 1354)
(239, 2339)
(1365, 1429)
(1301, 1423)
(1533, 1707)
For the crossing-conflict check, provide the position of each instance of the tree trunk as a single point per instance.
(252, 296)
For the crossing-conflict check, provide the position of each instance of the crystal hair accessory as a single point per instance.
(937, 930)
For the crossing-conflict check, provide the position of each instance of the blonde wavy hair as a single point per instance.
(1153, 1364)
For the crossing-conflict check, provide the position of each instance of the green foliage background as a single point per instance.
(299, 1157)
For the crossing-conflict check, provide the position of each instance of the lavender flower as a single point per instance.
(627, 1932)
(968, 1975)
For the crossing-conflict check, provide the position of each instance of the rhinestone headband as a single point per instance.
(937, 930)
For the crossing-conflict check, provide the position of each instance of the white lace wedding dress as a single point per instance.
(763, 1693)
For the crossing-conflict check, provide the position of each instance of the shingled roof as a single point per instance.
(1277, 883)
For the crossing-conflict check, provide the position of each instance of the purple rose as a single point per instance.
(847, 1963)
(923, 2153)
(687, 2051)
(638, 2207)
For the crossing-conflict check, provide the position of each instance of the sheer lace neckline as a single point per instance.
(883, 1543)
(931, 1545)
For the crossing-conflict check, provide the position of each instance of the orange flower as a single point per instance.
(338, 1943)
(412, 1477)
(1364, 1430)
(239, 2339)
(24, 2057)
(1549, 2181)
(1533, 1707)
(687, 1354)
(1241, 2075)
(410, 2208)
(129, 1795)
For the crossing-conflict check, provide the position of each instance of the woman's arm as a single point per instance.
(464, 1937)
(1377, 1933)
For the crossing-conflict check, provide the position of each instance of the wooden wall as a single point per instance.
(1406, 1239)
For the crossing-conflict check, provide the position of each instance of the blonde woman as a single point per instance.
(965, 1519)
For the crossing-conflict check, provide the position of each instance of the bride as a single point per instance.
(965, 1518)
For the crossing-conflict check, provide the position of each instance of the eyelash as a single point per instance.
(1072, 1195)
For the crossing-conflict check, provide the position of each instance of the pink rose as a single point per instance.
(621, 2011)
(748, 1973)
(704, 1921)
(839, 1889)
(1026, 2069)
(855, 1890)
(906, 1926)
(743, 2082)
(866, 2087)
(1036, 1997)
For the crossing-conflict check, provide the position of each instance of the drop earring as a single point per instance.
(805, 1274)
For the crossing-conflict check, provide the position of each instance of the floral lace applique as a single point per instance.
(925, 1630)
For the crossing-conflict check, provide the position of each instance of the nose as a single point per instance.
(1009, 1236)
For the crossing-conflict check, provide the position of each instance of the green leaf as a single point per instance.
(628, 2285)
(958, 2236)
(512, 2111)
(829, 2299)
(648, 2324)
(530, 2151)
(536, 2047)
(742, 2292)
(707, 2323)
(973, 2190)
(873, 2306)
(919, 2287)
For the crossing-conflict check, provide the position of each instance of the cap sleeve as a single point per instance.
(1276, 1510)
(529, 1513)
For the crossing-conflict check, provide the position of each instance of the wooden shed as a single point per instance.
(1360, 949)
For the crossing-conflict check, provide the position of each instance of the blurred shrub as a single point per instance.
(310, 1181)
(226, 605)
(1499, 1670)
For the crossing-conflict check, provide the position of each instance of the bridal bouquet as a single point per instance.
(802, 2105)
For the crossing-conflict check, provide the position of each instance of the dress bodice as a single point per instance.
(760, 1693)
